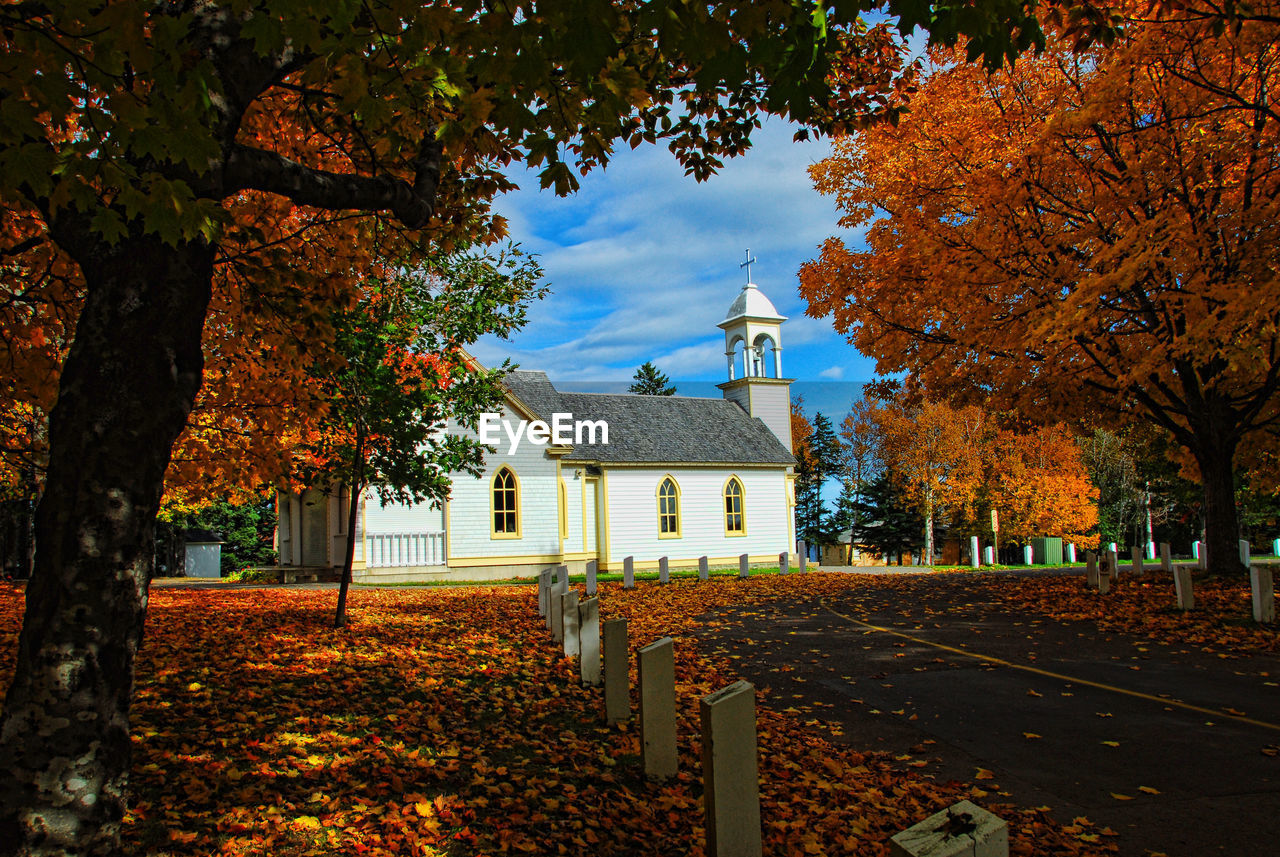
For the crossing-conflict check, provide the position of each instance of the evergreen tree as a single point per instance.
(846, 511)
(886, 521)
(246, 527)
(817, 457)
(650, 382)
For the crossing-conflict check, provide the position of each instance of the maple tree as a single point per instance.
(926, 450)
(401, 374)
(1087, 235)
(954, 466)
(1040, 486)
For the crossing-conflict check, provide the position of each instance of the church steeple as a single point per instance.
(754, 325)
(753, 347)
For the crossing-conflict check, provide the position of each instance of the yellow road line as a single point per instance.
(1050, 674)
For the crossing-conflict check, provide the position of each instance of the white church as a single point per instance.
(675, 476)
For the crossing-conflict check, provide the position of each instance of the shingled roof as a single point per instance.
(655, 429)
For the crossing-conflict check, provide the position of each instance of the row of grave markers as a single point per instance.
(1028, 554)
(744, 568)
(1099, 576)
(727, 719)
(664, 569)
(728, 716)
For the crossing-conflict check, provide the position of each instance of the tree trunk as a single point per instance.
(357, 488)
(126, 389)
(928, 528)
(1216, 457)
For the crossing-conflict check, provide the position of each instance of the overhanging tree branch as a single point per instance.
(249, 168)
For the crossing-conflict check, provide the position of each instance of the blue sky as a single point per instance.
(643, 263)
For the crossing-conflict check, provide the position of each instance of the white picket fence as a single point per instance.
(396, 550)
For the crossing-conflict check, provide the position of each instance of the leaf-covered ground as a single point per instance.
(445, 722)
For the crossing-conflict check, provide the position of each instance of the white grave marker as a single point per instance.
(784, 563)
(1182, 588)
(589, 635)
(961, 830)
(704, 572)
(592, 571)
(544, 591)
(658, 708)
(730, 775)
(629, 573)
(744, 566)
(557, 615)
(1264, 595)
(617, 676)
(974, 559)
(572, 638)
(1166, 557)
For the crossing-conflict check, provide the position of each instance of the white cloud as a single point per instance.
(832, 373)
(643, 261)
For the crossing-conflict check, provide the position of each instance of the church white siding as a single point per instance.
(633, 514)
(470, 522)
(772, 404)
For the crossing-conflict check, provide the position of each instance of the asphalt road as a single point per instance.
(1173, 748)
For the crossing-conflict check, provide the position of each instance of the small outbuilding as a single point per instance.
(203, 553)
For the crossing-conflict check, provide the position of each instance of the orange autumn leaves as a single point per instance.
(966, 463)
(1090, 235)
(445, 722)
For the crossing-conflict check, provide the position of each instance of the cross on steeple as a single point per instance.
(747, 264)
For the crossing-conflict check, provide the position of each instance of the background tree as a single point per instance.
(650, 382)
(1040, 485)
(817, 458)
(859, 458)
(1090, 234)
(403, 373)
(928, 454)
(248, 529)
(885, 519)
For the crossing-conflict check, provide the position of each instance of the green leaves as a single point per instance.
(399, 372)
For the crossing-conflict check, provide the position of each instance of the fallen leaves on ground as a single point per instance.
(1221, 623)
(446, 722)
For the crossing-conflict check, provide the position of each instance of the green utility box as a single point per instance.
(1047, 551)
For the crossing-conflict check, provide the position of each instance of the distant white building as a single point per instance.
(679, 477)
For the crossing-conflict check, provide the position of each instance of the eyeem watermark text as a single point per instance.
(493, 426)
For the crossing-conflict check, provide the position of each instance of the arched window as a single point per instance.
(735, 523)
(506, 504)
(668, 509)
